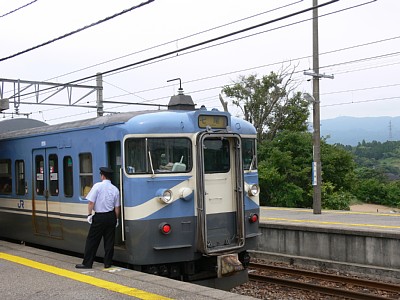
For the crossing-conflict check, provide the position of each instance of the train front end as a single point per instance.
(191, 196)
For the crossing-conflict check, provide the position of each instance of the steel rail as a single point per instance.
(316, 288)
(330, 277)
(322, 276)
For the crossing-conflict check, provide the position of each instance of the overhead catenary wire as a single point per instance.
(170, 53)
(344, 63)
(361, 101)
(362, 89)
(236, 21)
(76, 31)
(176, 40)
(210, 88)
(17, 9)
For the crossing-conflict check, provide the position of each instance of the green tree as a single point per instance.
(285, 172)
(270, 103)
(337, 166)
(393, 194)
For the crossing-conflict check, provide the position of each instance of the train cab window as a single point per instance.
(158, 155)
(5, 176)
(53, 174)
(20, 177)
(68, 176)
(85, 173)
(216, 156)
(39, 171)
(249, 154)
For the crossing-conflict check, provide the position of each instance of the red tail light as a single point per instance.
(165, 228)
(253, 218)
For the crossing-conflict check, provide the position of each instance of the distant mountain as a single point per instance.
(352, 130)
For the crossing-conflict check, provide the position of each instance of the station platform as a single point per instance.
(347, 220)
(31, 273)
(357, 241)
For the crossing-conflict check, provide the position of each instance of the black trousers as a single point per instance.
(103, 226)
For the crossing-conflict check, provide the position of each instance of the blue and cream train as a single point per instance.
(187, 179)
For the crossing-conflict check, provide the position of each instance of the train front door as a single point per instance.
(220, 192)
(46, 204)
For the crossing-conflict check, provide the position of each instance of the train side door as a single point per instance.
(220, 192)
(115, 161)
(46, 204)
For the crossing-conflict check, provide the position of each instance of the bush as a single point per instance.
(338, 201)
(335, 200)
(371, 191)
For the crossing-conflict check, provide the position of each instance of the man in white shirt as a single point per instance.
(104, 201)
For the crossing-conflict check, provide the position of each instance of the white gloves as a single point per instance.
(90, 217)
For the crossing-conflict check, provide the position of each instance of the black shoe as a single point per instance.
(107, 266)
(82, 266)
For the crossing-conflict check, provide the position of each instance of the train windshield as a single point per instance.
(158, 155)
(249, 154)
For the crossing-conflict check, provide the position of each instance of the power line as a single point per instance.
(220, 26)
(362, 89)
(150, 59)
(237, 71)
(169, 54)
(78, 30)
(211, 40)
(361, 101)
(176, 40)
(274, 63)
(13, 11)
(363, 59)
(367, 68)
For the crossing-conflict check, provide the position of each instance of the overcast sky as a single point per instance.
(366, 67)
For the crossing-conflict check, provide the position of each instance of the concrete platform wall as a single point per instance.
(346, 246)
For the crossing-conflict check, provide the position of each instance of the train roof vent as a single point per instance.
(180, 101)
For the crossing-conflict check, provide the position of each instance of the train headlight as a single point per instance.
(165, 196)
(253, 190)
(185, 193)
(165, 228)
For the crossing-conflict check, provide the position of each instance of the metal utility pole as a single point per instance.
(316, 117)
(314, 99)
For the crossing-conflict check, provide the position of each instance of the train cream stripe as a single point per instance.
(154, 205)
(331, 223)
(16, 203)
(332, 211)
(108, 285)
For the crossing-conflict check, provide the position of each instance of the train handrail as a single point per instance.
(121, 199)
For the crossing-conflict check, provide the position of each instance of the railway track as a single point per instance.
(322, 283)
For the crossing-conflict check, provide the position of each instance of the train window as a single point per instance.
(249, 154)
(85, 173)
(53, 174)
(216, 156)
(39, 171)
(5, 176)
(20, 177)
(161, 155)
(68, 176)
